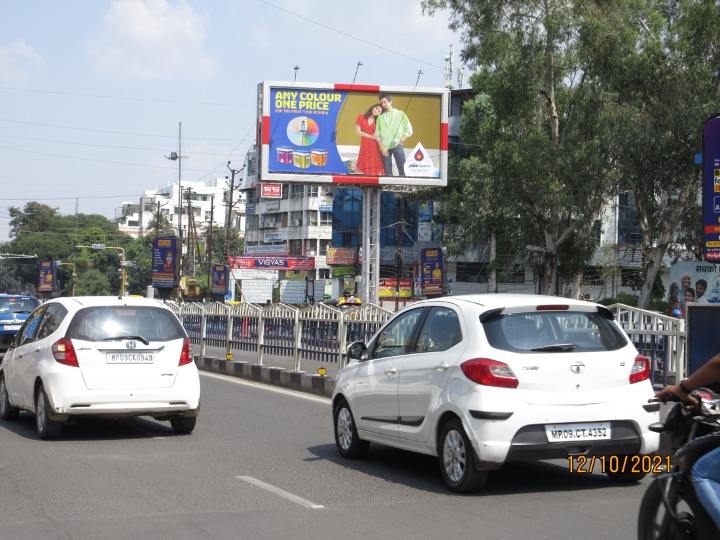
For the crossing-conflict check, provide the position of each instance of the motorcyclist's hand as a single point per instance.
(675, 390)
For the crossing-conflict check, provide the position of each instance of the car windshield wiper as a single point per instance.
(562, 347)
(139, 338)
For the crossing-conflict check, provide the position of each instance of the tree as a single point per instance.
(545, 146)
(662, 62)
(592, 98)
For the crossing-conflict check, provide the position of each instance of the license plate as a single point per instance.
(12, 327)
(578, 432)
(130, 358)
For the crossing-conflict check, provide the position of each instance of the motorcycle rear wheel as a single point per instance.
(655, 523)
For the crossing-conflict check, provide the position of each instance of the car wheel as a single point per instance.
(622, 475)
(7, 411)
(183, 424)
(457, 460)
(46, 428)
(348, 443)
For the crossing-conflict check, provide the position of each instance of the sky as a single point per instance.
(94, 94)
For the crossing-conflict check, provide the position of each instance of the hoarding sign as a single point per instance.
(711, 189)
(219, 279)
(308, 134)
(341, 256)
(431, 262)
(163, 263)
(272, 263)
(271, 191)
(46, 276)
(388, 287)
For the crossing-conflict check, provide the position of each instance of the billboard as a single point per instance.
(711, 189)
(46, 276)
(353, 134)
(431, 261)
(164, 262)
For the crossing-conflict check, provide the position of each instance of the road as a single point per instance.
(262, 464)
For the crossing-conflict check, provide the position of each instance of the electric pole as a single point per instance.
(228, 219)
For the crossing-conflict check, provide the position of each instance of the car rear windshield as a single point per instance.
(115, 322)
(554, 331)
(18, 305)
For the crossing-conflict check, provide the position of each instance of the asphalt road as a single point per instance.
(262, 464)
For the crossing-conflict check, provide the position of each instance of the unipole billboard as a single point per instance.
(711, 189)
(336, 133)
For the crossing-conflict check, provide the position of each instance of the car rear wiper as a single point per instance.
(562, 347)
(139, 338)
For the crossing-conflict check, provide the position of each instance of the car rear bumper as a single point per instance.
(531, 443)
(521, 437)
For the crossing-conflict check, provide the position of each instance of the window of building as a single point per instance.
(324, 273)
(326, 218)
(297, 192)
(312, 191)
(324, 245)
(295, 247)
(311, 247)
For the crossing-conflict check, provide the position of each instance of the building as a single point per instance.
(207, 200)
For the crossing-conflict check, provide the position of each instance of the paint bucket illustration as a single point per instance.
(319, 157)
(285, 155)
(301, 159)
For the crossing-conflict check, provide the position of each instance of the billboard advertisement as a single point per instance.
(46, 276)
(219, 279)
(711, 189)
(353, 134)
(163, 263)
(272, 263)
(431, 261)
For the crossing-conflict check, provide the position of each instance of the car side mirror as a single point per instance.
(356, 350)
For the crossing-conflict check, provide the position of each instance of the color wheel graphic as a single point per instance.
(302, 131)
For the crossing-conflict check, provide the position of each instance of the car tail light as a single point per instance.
(186, 356)
(64, 352)
(489, 373)
(640, 370)
(553, 307)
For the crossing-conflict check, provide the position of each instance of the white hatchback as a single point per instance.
(480, 380)
(100, 356)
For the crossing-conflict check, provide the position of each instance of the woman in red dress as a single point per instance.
(368, 161)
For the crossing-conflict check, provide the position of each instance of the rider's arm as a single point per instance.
(707, 374)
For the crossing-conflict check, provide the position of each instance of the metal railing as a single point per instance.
(322, 333)
(319, 332)
(659, 337)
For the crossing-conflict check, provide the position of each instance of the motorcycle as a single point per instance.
(670, 509)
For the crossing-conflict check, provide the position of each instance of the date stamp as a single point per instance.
(619, 464)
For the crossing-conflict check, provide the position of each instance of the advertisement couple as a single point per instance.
(382, 131)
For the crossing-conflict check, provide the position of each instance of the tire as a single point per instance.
(347, 441)
(655, 523)
(457, 460)
(183, 425)
(7, 411)
(625, 477)
(46, 428)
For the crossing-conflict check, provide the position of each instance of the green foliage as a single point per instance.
(93, 282)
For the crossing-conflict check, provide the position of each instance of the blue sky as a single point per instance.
(92, 92)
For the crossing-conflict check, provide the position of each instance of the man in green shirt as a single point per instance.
(392, 129)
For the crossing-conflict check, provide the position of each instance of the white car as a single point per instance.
(100, 356)
(480, 380)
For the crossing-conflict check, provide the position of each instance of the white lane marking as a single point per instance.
(267, 387)
(280, 492)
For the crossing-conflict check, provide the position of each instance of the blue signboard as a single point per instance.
(711, 189)
(164, 263)
(431, 262)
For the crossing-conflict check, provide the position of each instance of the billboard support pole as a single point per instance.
(371, 244)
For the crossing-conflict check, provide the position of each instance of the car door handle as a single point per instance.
(441, 367)
(390, 371)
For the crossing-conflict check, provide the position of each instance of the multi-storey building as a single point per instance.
(208, 201)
